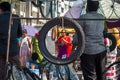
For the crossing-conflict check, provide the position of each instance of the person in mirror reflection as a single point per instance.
(94, 56)
(64, 45)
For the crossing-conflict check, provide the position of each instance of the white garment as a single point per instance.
(24, 51)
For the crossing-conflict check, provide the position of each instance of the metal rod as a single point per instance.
(9, 31)
(72, 18)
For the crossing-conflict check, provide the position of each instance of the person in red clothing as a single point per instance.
(64, 45)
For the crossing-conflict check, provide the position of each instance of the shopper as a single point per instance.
(16, 32)
(93, 58)
(25, 48)
(64, 45)
(36, 49)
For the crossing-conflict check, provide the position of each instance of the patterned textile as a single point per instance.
(14, 60)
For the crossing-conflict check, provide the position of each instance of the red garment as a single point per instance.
(64, 46)
(68, 43)
(36, 35)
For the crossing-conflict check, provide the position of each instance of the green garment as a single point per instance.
(36, 49)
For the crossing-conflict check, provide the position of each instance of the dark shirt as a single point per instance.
(16, 32)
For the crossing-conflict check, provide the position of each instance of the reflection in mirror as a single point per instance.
(61, 42)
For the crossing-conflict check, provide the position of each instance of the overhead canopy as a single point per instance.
(30, 30)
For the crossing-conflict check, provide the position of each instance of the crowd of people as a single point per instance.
(24, 50)
(21, 47)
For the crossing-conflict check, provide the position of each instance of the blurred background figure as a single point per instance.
(36, 49)
(16, 32)
(25, 48)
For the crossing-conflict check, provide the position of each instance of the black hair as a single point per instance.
(34, 56)
(24, 31)
(5, 6)
(67, 33)
(92, 5)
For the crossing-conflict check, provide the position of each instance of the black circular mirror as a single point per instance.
(61, 40)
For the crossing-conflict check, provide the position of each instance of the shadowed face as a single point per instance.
(63, 32)
(24, 33)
